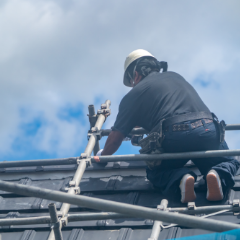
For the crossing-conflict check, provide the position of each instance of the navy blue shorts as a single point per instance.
(168, 175)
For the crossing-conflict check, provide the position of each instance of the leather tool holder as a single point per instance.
(150, 143)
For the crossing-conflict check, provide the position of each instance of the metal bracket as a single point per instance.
(106, 112)
(160, 207)
(83, 156)
(72, 184)
(104, 106)
(236, 205)
(86, 158)
(64, 221)
(148, 222)
(191, 206)
(94, 131)
(59, 214)
(76, 190)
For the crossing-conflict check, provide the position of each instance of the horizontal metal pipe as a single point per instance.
(136, 157)
(25, 221)
(232, 127)
(95, 216)
(108, 215)
(42, 162)
(123, 208)
(106, 132)
(71, 218)
(205, 209)
(167, 156)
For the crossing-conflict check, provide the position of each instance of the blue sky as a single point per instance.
(57, 57)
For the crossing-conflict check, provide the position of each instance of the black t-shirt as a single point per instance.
(157, 96)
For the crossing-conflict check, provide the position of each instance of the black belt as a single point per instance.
(193, 116)
(186, 127)
(180, 118)
(187, 117)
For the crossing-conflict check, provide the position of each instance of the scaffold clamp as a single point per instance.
(76, 190)
(72, 184)
(64, 221)
(96, 132)
(104, 110)
(191, 206)
(236, 207)
(85, 157)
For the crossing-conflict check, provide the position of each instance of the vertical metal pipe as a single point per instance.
(83, 164)
(157, 224)
(77, 178)
(96, 147)
(56, 224)
(91, 111)
(90, 145)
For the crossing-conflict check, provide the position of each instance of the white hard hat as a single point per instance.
(131, 58)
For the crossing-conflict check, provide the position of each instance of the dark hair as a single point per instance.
(145, 65)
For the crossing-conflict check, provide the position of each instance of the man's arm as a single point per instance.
(113, 142)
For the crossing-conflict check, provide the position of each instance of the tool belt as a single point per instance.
(153, 142)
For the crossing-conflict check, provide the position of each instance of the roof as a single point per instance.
(122, 182)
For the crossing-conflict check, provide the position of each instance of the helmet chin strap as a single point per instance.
(131, 78)
(134, 70)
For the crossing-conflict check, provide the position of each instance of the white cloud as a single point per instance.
(55, 53)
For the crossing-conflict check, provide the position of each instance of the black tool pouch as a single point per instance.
(153, 141)
(221, 127)
(150, 143)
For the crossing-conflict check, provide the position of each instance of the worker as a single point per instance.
(164, 103)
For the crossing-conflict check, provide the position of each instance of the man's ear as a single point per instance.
(137, 77)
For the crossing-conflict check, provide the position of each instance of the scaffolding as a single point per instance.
(115, 210)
